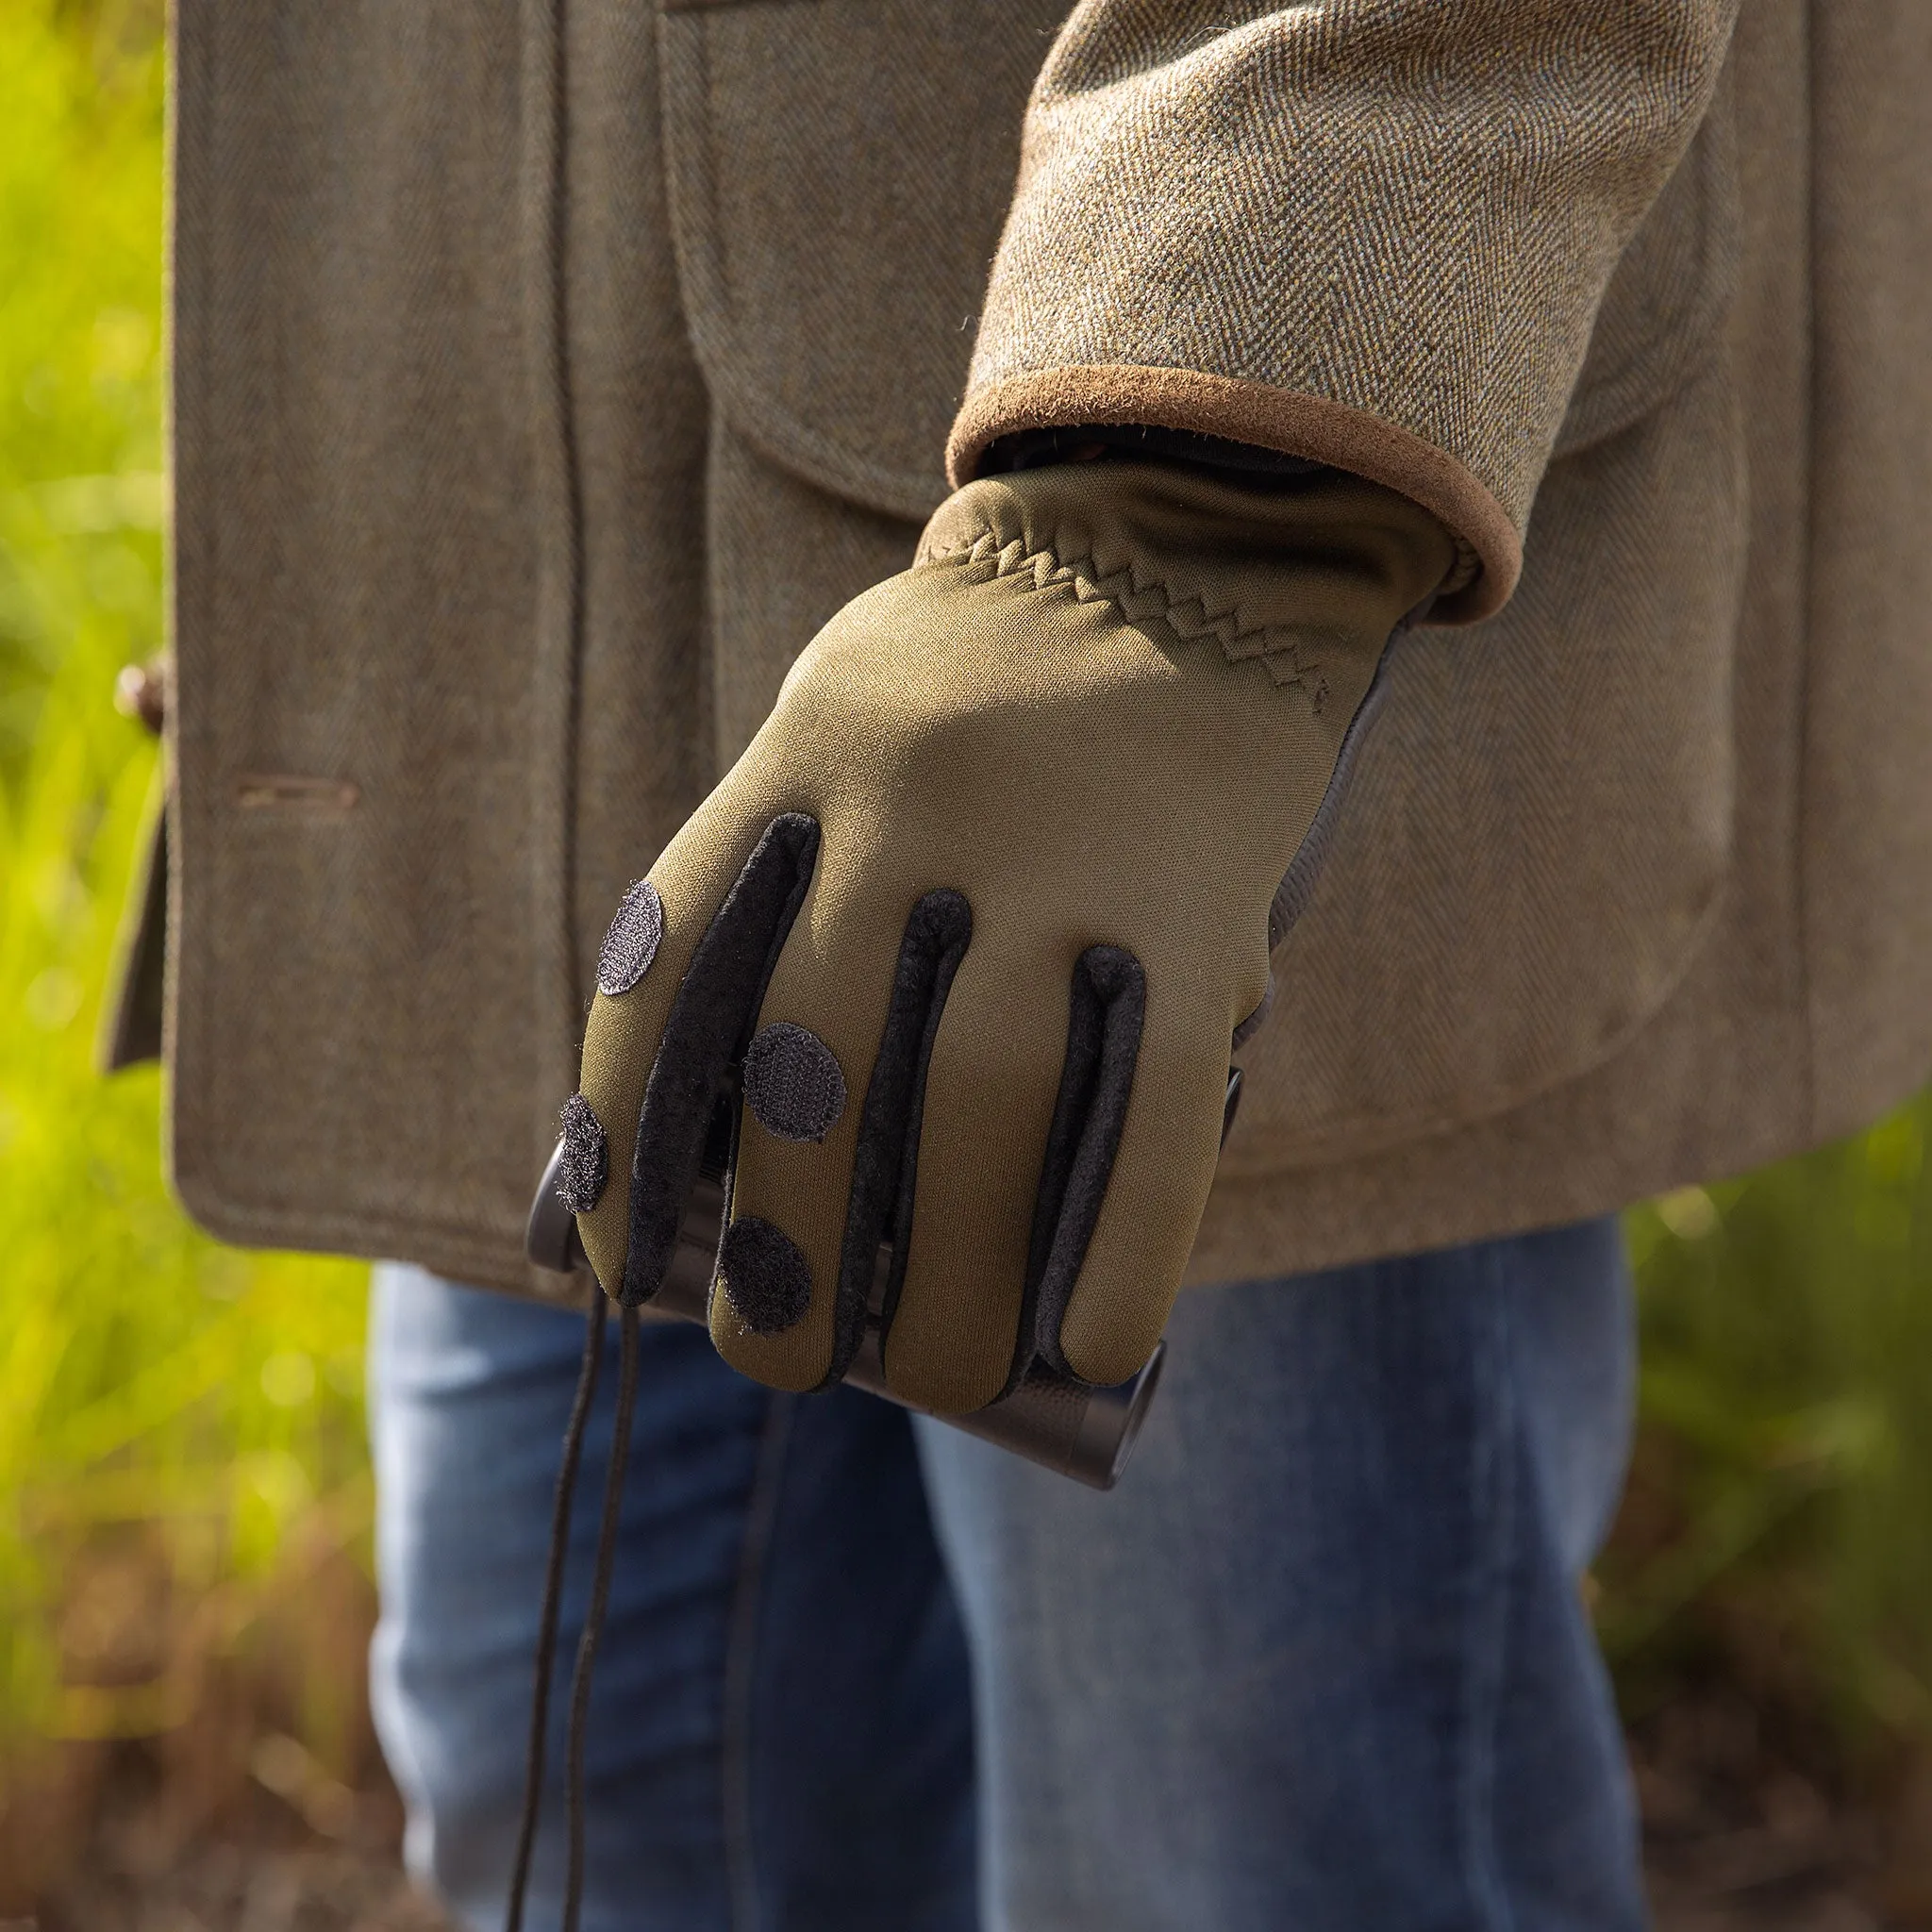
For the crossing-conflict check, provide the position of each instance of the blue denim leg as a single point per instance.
(781, 1735)
(1321, 1662)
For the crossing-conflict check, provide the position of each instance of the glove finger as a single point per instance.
(812, 1187)
(1120, 1248)
(640, 968)
(953, 1328)
(656, 1049)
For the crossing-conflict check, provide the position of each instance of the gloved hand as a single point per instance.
(980, 907)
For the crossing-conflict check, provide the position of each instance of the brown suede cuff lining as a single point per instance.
(1252, 413)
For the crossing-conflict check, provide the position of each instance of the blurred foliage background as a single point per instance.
(184, 1497)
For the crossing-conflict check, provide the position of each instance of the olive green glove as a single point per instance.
(978, 913)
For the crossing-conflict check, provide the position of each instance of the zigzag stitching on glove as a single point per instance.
(1188, 617)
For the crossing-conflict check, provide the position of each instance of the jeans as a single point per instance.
(1319, 1664)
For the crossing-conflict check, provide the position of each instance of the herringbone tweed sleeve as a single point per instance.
(1372, 233)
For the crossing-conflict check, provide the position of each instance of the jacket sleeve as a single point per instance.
(1370, 232)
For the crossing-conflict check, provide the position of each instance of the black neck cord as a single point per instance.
(553, 1597)
(600, 1600)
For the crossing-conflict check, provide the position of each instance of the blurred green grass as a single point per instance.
(1777, 1532)
(179, 1423)
(175, 1418)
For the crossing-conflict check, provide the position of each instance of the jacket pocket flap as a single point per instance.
(839, 172)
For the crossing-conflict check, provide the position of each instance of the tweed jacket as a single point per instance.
(545, 372)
